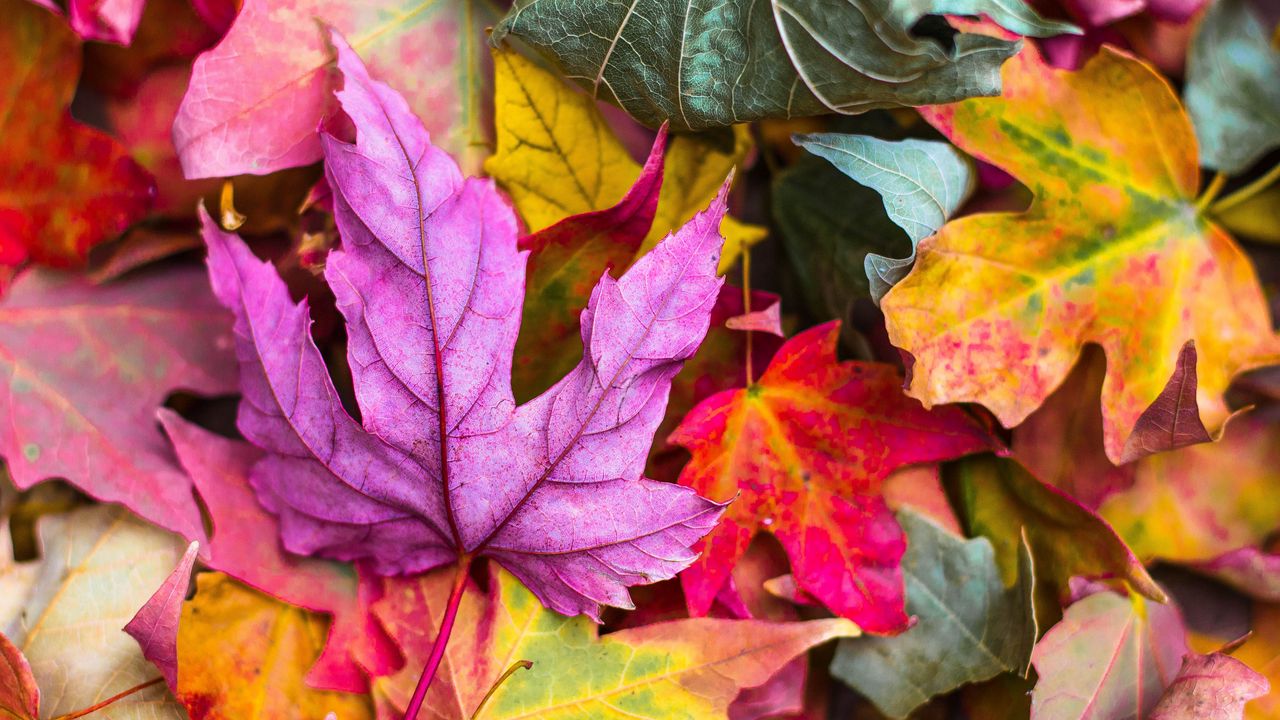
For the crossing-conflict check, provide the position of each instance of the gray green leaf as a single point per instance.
(704, 63)
(970, 627)
(921, 182)
(1232, 90)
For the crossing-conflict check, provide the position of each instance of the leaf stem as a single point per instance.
(1211, 192)
(746, 306)
(108, 701)
(442, 639)
(1248, 191)
(517, 665)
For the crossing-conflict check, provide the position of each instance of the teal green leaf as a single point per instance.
(699, 64)
(970, 626)
(1012, 15)
(1232, 90)
(922, 183)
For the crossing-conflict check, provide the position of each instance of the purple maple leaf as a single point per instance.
(445, 466)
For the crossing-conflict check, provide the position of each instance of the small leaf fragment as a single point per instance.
(155, 625)
(19, 695)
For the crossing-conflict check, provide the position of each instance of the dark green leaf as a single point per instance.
(829, 224)
(700, 64)
(921, 182)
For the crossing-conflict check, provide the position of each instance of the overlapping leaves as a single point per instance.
(697, 67)
(446, 466)
(1113, 251)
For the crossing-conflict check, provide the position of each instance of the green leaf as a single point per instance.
(700, 64)
(1232, 93)
(971, 627)
(921, 182)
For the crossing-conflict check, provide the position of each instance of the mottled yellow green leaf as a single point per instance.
(1199, 502)
(688, 669)
(1113, 250)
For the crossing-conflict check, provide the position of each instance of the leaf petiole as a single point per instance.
(517, 665)
(1211, 192)
(118, 696)
(1248, 191)
(442, 639)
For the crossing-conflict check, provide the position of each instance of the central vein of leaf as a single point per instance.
(441, 411)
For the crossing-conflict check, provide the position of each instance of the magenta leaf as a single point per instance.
(155, 626)
(83, 368)
(430, 282)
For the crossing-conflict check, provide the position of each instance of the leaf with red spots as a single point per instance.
(1114, 250)
(66, 186)
(805, 451)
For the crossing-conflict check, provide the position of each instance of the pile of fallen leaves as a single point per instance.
(584, 359)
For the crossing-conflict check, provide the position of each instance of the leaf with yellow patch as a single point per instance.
(556, 157)
(683, 668)
(1199, 502)
(1113, 251)
(242, 654)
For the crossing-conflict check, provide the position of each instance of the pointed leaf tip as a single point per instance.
(155, 626)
